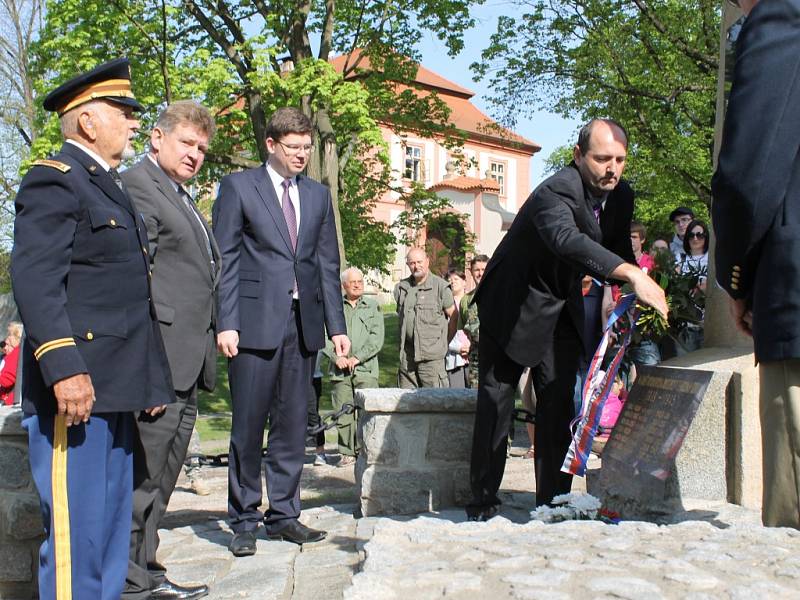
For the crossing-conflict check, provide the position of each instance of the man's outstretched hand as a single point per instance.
(646, 289)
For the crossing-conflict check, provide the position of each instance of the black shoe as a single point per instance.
(243, 543)
(172, 591)
(295, 531)
(482, 513)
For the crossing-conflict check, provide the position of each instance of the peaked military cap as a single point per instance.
(109, 81)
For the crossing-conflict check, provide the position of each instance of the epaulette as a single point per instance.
(55, 164)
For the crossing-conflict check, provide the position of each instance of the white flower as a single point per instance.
(568, 507)
(563, 499)
(585, 502)
(563, 513)
(542, 513)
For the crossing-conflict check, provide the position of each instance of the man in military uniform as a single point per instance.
(93, 354)
(468, 317)
(359, 369)
(424, 304)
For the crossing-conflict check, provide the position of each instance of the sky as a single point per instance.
(546, 129)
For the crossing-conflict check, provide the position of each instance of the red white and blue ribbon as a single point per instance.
(596, 389)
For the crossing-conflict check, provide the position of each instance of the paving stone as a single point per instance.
(694, 579)
(442, 555)
(542, 578)
(631, 588)
(540, 594)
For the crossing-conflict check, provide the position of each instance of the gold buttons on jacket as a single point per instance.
(89, 335)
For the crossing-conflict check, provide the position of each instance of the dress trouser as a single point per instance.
(553, 383)
(159, 452)
(272, 384)
(84, 477)
(780, 442)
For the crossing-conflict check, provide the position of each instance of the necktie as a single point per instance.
(117, 179)
(288, 213)
(598, 209)
(187, 200)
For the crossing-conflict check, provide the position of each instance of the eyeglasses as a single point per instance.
(696, 234)
(295, 149)
(735, 3)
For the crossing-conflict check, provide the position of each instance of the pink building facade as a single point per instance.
(487, 179)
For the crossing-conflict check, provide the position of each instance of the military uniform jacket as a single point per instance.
(530, 294)
(756, 189)
(80, 275)
(421, 307)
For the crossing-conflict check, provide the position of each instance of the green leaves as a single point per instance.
(227, 54)
(651, 64)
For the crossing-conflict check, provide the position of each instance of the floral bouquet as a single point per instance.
(685, 299)
(569, 507)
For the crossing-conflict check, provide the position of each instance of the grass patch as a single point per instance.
(214, 408)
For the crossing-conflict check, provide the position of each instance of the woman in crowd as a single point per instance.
(694, 262)
(455, 361)
(8, 375)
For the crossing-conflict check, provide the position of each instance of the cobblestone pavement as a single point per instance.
(710, 551)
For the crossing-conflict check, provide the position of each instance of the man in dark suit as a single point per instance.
(531, 311)
(93, 353)
(756, 217)
(278, 292)
(185, 263)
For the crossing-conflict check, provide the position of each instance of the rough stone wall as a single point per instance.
(21, 531)
(415, 449)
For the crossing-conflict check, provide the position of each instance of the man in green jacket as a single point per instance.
(425, 306)
(359, 369)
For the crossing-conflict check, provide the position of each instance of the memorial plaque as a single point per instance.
(641, 450)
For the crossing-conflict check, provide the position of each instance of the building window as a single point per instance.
(497, 171)
(413, 166)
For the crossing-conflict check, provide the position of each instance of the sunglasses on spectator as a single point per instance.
(696, 234)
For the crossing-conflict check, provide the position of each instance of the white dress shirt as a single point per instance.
(294, 194)
(91, 153)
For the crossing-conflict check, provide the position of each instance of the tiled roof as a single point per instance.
(424, 77)
(467, 184)
(464, 115)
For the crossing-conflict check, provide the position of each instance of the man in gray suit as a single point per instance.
(185, 266)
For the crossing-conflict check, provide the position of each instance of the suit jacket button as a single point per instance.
(113, 222)
(291, 292)
(734, 286)
(89, 335)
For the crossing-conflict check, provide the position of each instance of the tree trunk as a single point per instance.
(259, 122)
(323, 165)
